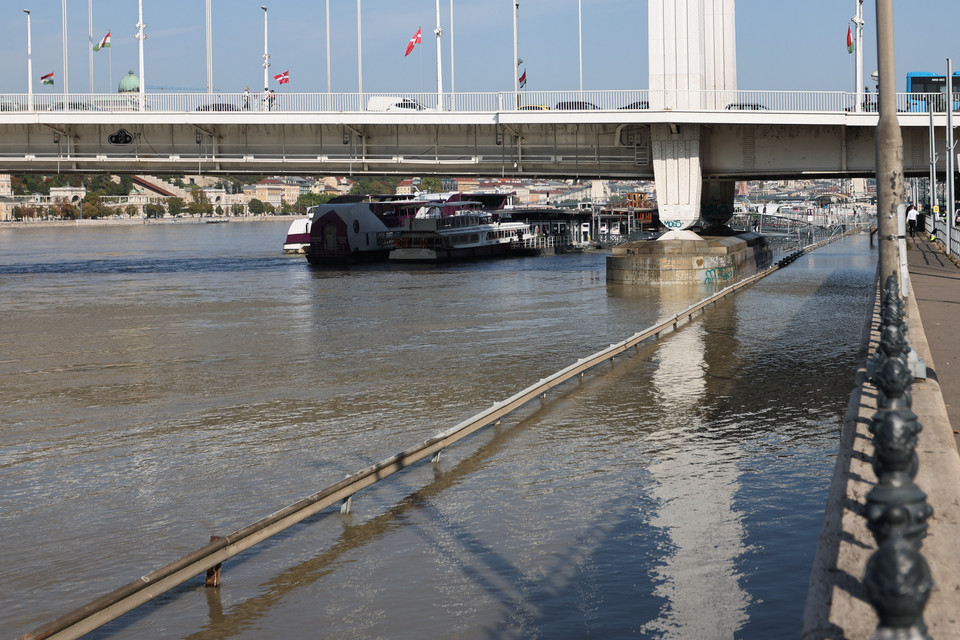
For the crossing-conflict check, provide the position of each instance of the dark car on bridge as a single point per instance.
(643, 104)
(575, 105)
(745, 106)
(218, 106)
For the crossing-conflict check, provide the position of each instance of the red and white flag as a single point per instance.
(415, 40)
(523, 79)
(282, 78)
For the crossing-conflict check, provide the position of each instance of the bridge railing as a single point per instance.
(485, 102)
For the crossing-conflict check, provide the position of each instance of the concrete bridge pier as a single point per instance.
(681, 68)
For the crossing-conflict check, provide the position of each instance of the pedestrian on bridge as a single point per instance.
(911, 219)
(268, 98)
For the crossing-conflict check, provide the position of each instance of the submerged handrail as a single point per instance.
(111, 606)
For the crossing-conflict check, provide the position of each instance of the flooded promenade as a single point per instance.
(168, 383)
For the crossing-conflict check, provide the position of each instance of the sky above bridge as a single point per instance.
(781, 44)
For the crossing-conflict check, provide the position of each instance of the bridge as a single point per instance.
(743, 134)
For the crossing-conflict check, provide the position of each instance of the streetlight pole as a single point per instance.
(516, 54)
(209, 48)
(359, 54)
(29, 65)
(889, 150)
(141, 36)
(950, 195)
(328, 46)
(451, 47)
(858, 21)
(266, 53)
(580, 37)
(439, 32)
(66, 71)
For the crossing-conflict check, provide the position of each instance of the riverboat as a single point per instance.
(468, 234)
(298, 236)
(365, 228)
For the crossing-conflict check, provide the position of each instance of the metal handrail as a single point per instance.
(472, 102)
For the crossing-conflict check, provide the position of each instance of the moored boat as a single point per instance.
(365, 228)
(298, 236)
(470, 233)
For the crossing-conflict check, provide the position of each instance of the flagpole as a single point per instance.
(110, 70)
(516, 56)
(580, 38)
(90, 37)
(66, 73)
(29, 65)
(858, 19)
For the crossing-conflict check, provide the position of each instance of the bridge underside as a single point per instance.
(563, 150)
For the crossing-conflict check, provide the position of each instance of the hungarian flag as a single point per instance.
(850, 46)
(47, 79)
(523, 79)
(282, 78)
(105, 43)
(415, 40)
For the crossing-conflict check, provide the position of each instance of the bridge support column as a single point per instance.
(676, 170)
(716, 203)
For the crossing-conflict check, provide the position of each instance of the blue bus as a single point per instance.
(925, 82)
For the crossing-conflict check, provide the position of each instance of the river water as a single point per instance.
(164, 383)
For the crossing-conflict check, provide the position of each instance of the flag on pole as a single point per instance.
(104, 43)
(850, 46)
(523, 79)
(282, 78)
(47, 79)
(415, 40)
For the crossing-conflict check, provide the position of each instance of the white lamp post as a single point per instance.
(359, 54)
(439, 32)
(209, 48)
(66, 71)
(580, 38)
(141, 36)
(29, 65)
(266, 53)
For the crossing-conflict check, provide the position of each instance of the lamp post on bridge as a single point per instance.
(29, 65)
(266, 54)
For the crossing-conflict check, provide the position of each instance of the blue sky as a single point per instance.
(781, 44)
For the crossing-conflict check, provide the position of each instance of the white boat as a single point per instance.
(470, 233)
(365, 228)
(298, 236)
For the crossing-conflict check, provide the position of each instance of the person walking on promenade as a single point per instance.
(246, 99)
(911, 219)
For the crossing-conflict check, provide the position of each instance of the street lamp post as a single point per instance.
(580, 38)
(209, 48)
(141, 36)
(439, 32)
(66, 68)
(29, 65)
(266, 53)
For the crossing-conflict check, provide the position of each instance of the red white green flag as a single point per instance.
(850, 46)
(47, 79)
(104, 43)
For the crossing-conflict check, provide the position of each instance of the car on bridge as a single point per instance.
(745, 106)
(642, 104)
(73, 106)
(394, 103)
(218, 106)
(575, 105)
(534, 107)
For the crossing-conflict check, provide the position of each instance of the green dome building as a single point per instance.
(130, 83)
